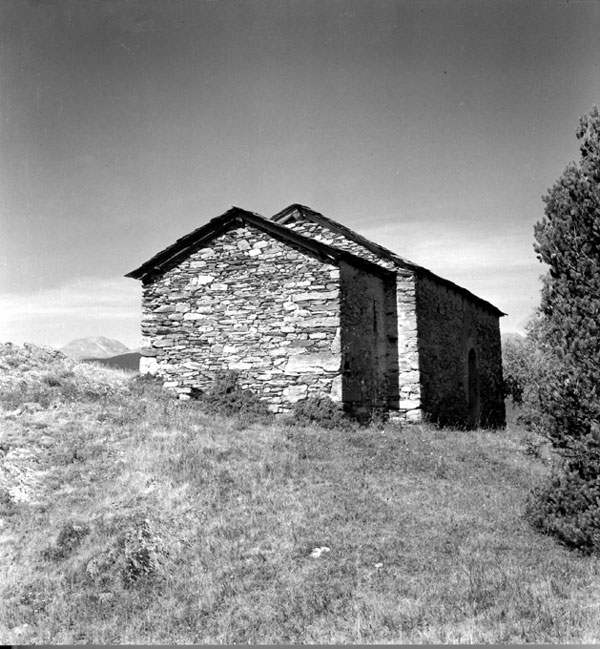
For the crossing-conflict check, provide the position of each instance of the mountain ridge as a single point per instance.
(94, 347)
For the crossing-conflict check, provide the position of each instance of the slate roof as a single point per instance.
(275, 226)
(306, 213)
(185, 246)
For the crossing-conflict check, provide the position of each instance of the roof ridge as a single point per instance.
(371, 246)
(183, 246)
(377, 249)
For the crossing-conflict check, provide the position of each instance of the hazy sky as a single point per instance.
(432, 127)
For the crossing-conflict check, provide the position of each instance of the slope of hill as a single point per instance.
(129, 361)
(130, 517)
(94, 347)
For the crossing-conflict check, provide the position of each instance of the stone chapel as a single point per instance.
(302, 306)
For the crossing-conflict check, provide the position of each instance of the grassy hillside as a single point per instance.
(128, 517)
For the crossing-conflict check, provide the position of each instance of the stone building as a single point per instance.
(300, 305)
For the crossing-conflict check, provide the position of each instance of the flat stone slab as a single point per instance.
(295, 393)
(313, 363)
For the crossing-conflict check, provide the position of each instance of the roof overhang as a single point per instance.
(185, 246)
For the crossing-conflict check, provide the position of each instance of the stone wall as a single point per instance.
(249, 303)
(451, 327)
(294, 325)
(403, 313)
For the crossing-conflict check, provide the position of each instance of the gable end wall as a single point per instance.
(249, 303)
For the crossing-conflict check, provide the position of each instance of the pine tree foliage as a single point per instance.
(567, 334)
(568, 331)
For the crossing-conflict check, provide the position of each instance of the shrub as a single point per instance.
(227, 398)
(321, 411)
(7, 504)
(69, 539)
(52, 379)
(516, 366)
(143, 551)
(146, 385)
(568, 505)
(23, 393)
(137, 553)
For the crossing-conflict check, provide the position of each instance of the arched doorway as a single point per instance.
(472, 390)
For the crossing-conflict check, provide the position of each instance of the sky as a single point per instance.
(433, 127)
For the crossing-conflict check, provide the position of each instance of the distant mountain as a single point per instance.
(94, 347)
(129, 361)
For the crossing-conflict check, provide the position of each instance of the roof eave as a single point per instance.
(184, 246)
(382, 252)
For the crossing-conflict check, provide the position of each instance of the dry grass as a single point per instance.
(138, 519)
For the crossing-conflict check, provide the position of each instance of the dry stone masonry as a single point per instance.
(408, 397)
(251, 304)
(301, 306)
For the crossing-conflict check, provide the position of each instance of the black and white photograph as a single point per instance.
(299, 322)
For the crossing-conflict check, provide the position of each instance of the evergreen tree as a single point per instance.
(567, 334)
(568, 331)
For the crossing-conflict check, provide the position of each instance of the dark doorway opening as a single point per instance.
(473, 390)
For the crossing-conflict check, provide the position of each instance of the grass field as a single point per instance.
(128, 517)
